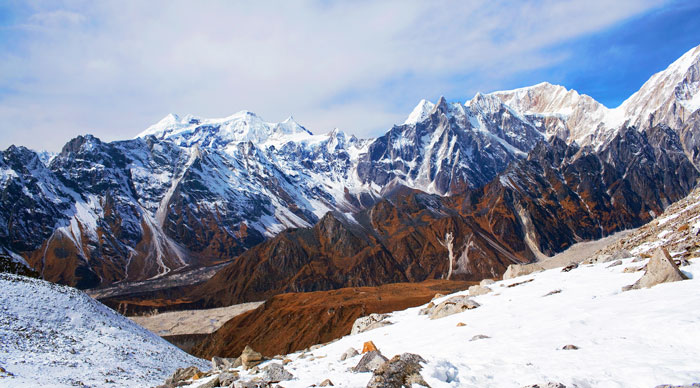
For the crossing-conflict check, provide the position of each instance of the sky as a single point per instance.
(113, 68)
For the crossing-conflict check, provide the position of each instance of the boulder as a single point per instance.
(478, 290)
(326, 383)
(213, 383)
(630, 269)
(182, 374)
(461, 324)
(660, 269)
(622, 254)
(220, 363)
(602, 258)
(372, 321)
(274, 373)
(250, 358)
(569, 267)
(487, 282)
(350, 353)
(427, 309)
(515, 270)
(614, 264)
(368, 347)
(251, 384)
(694, 385)
(570, 347)
(478, 337)
(548, 385)
(370, 361)
(401, 371)
(453, 305)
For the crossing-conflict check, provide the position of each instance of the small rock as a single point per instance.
(614, 264)
(326, 383)
(427, 309)
(368, 347)
(478, 337)
(372, 321)
(570, 347)
(286, 361)
(630, 269)
(520, 283)
(622, 254)
(401, 371)
(350, 353)
(487, 282)
(227, 378)
(548, 385)
(211, 383)
(515, 270)
(694, 385)
(569, 267)
(438, 295)
(250, 358)
(275, 373)
(461, 324)
(182, 374)
(370, 361)
(660, 269)
(602, 258)
(552, 292)
(220, 363)
(638, 259)
(252, 384)
(478, 290)
(453, 305)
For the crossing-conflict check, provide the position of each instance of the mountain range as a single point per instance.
(457, 191)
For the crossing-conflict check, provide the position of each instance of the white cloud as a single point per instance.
(114, 68)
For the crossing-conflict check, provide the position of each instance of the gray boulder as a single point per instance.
(660, 269)
(478, 337)
(602, 258)
(401, 371)
(453, 305)
(275, 373)
(221, 363)
(350, 353)
(372, 321)
(250, 358)
(487, 282)
(478, 290)
(227, 378)
(370, 361)
(615, 263)
(515, 270)
(182, 374)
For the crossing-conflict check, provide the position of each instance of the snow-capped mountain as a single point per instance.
(191, 191)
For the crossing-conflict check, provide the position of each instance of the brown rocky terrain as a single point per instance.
(289, 322)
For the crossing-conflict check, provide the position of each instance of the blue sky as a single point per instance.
(112, 68)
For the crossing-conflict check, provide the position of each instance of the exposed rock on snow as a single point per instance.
(223, 364)
(369, 322)
(570, 347)
(274, 373)
(477, 290)
(401, 371)
(548, 385)
(452, 305)
(515, 270)
(250, 358)
(660, 269)
(478, 337)
(350, 353)
(326, 383)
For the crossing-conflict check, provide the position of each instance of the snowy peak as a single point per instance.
(420, 112)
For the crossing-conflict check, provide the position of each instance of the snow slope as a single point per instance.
(56, 336)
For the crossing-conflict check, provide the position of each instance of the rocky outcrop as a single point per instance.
(274, 373)
(370, 322)
(660, 269)
(401, 371)
(452, 305)
(370, 361)
(250, 358)
(350, 353)
(516, 270)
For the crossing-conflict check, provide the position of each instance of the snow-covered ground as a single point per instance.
(56, 336)
(638, 338)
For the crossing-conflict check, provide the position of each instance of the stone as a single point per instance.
(602, 258)
(520, 283)
(548, 385)
(251, 384)
(569, 267)
(250, 358)
(478, 290)
(370, 361)
(478, 337)
(694, 385)
(220, 363)
(437, 296)
(614, 264)
(453, 305)
(370, 322)
(487, 282)
(553, 292)
(326, 383)
(350, 353)
(182, 374)
(660, 269)
(622, 254)
(427, 309)
(227, 378)
(515, 270)
(213, 383)
(286, 361)
(401, 371)
(570, 347)
(275, 373)
(461, 324)
(630, 269)
(368, 347)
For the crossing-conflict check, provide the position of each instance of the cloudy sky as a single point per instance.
(112, 68)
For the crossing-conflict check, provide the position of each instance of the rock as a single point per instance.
(570, 347)
(252, 384)
(487, 282)
(372, 321)
(478, 337)
(350, 353)
(370, 361)
(478, 290)
(552, 292)
(227, 378)
(602, 258)
(182, 374)
(694, 385)
(220, 363)
(453, 305)
(569, 267)
(615, 264)
(520, 283)
(515, 270)
(630, 269)
(286, 361)
(461, 324)
(275, 373)
(622, 254)
(548, 385)
(326, 383)
(660, 269)
(401, 371)
(250, 358)
(368, 347)
(437, 296)
(211, 383)
(638, 259)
